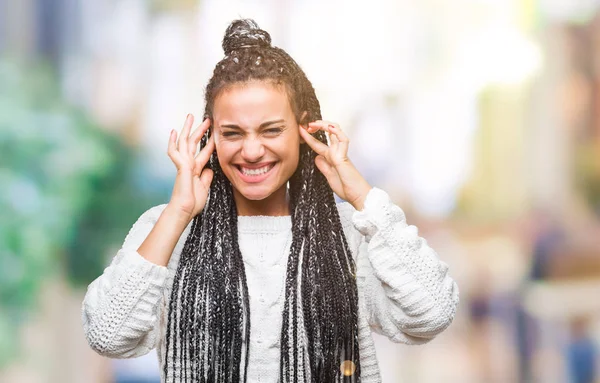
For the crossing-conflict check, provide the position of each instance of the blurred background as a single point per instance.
(480, 117)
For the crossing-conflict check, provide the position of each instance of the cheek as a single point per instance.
(290, 150)
(225, 149)
(223, 155)
(294, 155)
(291, 143)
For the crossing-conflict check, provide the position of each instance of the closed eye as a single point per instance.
(230, 134)
(273, 130)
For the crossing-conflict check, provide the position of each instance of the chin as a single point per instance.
(255, 195)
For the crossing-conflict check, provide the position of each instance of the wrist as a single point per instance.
(359, 202)
(176, 216)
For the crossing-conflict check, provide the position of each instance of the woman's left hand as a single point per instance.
(333, 162)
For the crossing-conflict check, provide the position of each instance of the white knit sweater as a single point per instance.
(405, 292)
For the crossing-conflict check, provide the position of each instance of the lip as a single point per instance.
(255, 166)
(255, 179)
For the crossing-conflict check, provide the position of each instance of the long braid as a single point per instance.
(209, 307)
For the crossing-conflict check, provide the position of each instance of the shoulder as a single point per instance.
(144, 224)
(151, 215)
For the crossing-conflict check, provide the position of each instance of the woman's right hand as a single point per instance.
(193, 181)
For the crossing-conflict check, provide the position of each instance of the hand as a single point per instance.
(192, 182)
(333, 162)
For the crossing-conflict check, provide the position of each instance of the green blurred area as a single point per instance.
(68, 196)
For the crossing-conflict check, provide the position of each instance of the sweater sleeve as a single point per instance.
(405, 288)
(121, 307)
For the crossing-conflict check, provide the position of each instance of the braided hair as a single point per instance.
(208, 329)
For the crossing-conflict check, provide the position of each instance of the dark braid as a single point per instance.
(209, 309)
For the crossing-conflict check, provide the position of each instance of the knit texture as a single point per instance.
(405, 292)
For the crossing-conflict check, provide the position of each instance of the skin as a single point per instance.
(253, 125)
(343, 177)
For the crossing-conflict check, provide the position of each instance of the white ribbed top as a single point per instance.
(265, 244)
(405, 292)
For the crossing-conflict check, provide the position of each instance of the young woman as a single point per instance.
(252, 272)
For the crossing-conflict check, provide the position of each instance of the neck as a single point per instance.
(277, 204)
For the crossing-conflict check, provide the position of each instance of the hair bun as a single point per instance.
(244, 33)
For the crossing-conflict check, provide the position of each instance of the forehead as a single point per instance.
(249, 104)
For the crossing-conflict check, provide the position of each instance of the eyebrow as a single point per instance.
(263, 125)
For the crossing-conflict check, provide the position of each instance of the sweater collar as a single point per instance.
(264, 224)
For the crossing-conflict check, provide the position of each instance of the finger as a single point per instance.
(206, 178)
(338, 139)
(333, 138)
(204, 155)
(320, 125)
(316, 125)
(323, 166)
(185, 132)
(316, 145)
(329, 172)
(197, 135)
(172, 148)
(337, 132)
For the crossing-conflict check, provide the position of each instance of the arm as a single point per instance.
(120, 309)
(405, 287)
(407, 292)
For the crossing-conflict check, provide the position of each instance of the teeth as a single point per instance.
(256, 172)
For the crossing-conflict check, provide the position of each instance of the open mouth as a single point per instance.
(255, 172)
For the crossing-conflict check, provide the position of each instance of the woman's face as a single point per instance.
(257, 143)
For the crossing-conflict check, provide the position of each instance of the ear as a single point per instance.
(303, 121)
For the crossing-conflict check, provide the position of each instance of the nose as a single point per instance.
(252, 149)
